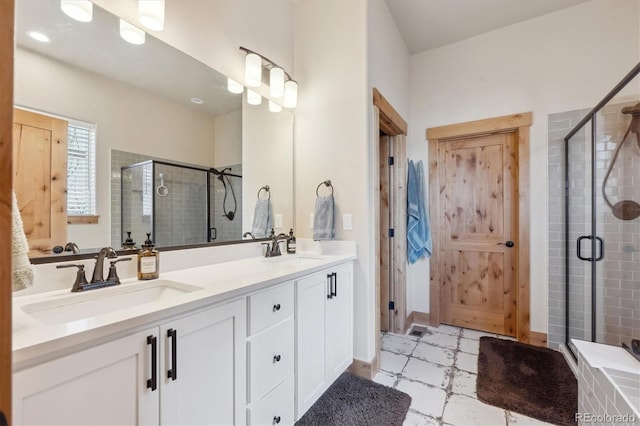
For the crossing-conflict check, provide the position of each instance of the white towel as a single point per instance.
(262, 222)
(22, 269)
(323, 219)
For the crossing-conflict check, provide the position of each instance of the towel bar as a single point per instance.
(325, 183)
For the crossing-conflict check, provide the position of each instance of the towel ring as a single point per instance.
(265, 188)
(326, 183)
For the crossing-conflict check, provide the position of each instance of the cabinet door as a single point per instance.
(208, 373)
(338, 344)
(311, 294)
(106, 384)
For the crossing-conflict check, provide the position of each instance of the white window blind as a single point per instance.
(81, 169)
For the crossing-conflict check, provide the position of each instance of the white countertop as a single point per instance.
(34, 341)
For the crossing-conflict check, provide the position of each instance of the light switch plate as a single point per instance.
(311, 216)
(347, 222)
(278, 221)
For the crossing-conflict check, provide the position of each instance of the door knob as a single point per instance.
(508, 244)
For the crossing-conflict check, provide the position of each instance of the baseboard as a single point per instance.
(364, 369)
(416, 317)
(538, 339)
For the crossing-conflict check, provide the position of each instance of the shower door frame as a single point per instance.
(594, 257)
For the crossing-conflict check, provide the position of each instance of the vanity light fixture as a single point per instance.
(80, 10)
(253, 98)
(131, 33)
(233, 86)
(151, 14)
(281, 85)
(274, 107)
(38, 36)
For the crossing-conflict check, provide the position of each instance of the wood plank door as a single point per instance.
(40, 178)
(478, 222)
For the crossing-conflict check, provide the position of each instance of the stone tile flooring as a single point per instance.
(439, 371)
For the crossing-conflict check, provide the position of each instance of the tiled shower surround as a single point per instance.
(618, 274)
(181, 216)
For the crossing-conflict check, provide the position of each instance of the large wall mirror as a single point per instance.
(176, 154)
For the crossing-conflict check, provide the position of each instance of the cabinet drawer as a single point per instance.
(276, 408)
(270, 306)
(270, 359)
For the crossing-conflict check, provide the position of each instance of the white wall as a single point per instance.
(228, 137)
(562, 61)
(330, 135)
(126, 119)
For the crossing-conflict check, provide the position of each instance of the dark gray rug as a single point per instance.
(353, 400)
(530, 380)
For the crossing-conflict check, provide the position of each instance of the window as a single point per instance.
(81, 169)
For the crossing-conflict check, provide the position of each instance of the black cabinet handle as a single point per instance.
(335, 284)
(172, 373)
(276, 307)
(330, 283)
(276, 358)
(276, 420)
(153, 381)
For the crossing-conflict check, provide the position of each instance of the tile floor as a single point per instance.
(439, 371)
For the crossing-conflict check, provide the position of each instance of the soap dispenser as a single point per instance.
(148, 261)
(291, 243)
(128, 243)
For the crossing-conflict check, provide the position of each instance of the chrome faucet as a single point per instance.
(274, 250)
(72, 247)
(248, 234)
(98, 269)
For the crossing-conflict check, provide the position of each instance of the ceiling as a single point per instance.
(427, 24)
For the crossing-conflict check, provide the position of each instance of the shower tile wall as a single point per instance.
(227, 230)
(618, 277)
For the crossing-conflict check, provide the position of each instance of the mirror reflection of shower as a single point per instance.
(625, 209)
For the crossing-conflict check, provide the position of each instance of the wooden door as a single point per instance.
(103, 385)
(478, 220)
(385, 225)
(40, 178)
(207, 384)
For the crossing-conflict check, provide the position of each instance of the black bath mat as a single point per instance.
(530, 380)
(353, 400)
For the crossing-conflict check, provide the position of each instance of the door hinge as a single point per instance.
(391, 161)
(391, 233)
(392, 306)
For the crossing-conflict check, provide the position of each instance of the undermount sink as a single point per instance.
(77, 306)
(302, 260)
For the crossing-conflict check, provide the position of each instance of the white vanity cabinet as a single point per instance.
(115, 383)
(270, 352)
(324, 332)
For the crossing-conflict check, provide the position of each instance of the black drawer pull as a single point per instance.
(153, 381)
(330, 283)
(276, 307)
(276, 420)
(172, 373)
(276, 358)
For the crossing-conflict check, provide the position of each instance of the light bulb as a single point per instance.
(290, 94)
(80, 10)
(233, 86)
(151, 14)
(253, 70)
(276, 82)
(131, 33)
(274, 107)
(39, 36)
(253, 98)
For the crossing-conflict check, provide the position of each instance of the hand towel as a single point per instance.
(323, 219)
(418, 242)
(262, 222)
(22, 268)
(428, 244)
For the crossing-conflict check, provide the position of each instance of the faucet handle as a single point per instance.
(81, 278)
(113, 272)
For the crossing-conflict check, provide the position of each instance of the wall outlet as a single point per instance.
(347, 222)
(278, 221)
(311, 216)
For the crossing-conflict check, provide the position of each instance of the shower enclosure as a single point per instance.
(602, 220)
(179, 204)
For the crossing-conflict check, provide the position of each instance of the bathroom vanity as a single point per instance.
(250, 341)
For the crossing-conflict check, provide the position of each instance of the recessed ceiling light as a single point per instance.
(38, 36)
(197, 101)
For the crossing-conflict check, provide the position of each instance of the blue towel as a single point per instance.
(428, 245)
(262, 222)
(418, 231)
(323, 219)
